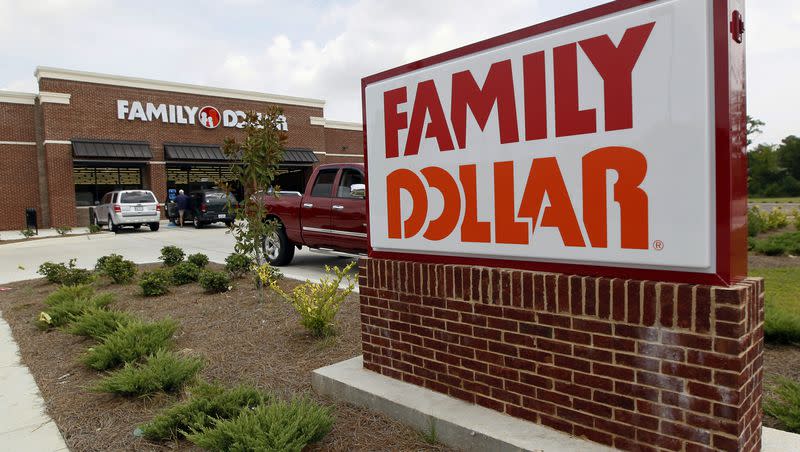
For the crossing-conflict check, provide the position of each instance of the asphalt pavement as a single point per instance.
(19, 261)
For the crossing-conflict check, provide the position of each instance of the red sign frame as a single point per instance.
(730, 153)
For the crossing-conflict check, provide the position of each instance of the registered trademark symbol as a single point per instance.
(658, 245)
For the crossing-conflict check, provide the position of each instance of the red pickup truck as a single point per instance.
(331, 214)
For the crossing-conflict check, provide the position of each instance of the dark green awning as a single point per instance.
(83, 149)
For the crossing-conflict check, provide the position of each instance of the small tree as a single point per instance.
(258, 155)
(753, 128)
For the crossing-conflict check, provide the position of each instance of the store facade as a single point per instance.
(85, 134)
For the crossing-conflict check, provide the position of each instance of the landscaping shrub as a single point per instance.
(199, 259)
(796, 219)
(69, 293)
(238, 264)
(786, 406)
(755, 224)
(215, 282)
(779, 245)
(775, 219)
(115, 267)
(130, 343)
(162, 371)
(99, 323)
(171, 255)
(69, 309)
(207, 402)
(66, 274)
(276, 426)
(155, 283)
(185, 273)
(318, 303)
(266, 275)
(63, 230)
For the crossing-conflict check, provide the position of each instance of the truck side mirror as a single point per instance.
(358, 191)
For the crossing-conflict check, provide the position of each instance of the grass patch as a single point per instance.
(130, 343)
(782, 305)
(277, 426)
(786, 406)
(778, 200)
(163, 371)
(208, 402)
(99, 323)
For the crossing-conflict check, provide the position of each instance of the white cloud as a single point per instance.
(316, 49)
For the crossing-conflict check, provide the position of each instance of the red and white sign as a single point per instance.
(209, 117)
(591, 144)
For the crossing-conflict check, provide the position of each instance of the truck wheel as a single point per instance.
(196, 223)
(278, 250)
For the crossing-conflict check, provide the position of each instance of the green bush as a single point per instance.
(99, 323)
(267, 275)
(786, 406)
(62, 231)
(779, 245)
(27, 233)
(318, 303)
(70, 309)
(185, 273)
(69, 293)
(114, 266)
(155, 283)
(755, 224)
(277, 426)
(66, 274)
(171, 255)
(199, 259)
(238, 264)
(796, 214)
(162, 371)
(207, 402)
(94, 228)
(775, 219)
(215, 282)
(130, 343)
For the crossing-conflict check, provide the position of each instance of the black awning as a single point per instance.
(201, 152)
(194, 152)
(298, 156)
(111, 149)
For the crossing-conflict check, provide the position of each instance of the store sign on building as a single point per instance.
(207, 116)
(591, 146)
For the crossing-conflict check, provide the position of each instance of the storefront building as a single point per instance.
(85, 134)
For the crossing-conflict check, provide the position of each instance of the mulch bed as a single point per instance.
(242, 340)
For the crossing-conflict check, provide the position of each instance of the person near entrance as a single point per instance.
(183, 204)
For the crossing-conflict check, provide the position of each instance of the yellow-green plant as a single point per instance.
(318, 303)
(266, 274)
(776, 219)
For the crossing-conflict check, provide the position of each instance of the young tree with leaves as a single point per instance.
(258, 156)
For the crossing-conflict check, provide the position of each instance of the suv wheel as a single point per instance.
(278, 249)
(154, 226)
(111, 226)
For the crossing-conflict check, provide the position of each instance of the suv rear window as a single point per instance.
(216, 195)
(136, 197)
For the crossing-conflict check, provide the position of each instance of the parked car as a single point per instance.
(128, 208)
(331, 214)
(205, 207)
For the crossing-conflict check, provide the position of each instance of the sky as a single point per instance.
(322, 49)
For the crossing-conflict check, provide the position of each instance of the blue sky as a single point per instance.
(322, 49)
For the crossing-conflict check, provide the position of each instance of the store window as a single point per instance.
(92, 182)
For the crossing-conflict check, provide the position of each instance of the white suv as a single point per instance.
(128, 208)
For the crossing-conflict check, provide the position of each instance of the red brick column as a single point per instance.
(632, 364)
(155, 180)
(60, 185)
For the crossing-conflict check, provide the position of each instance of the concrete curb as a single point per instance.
(457, 423)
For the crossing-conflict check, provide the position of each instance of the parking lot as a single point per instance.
(20, 260)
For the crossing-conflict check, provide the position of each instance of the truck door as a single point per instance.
(315, 210)
(348, 213)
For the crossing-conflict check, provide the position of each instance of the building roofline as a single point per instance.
(16, 97)
(330, 124)
(159, 85)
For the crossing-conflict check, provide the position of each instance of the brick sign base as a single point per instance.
(632, 364)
